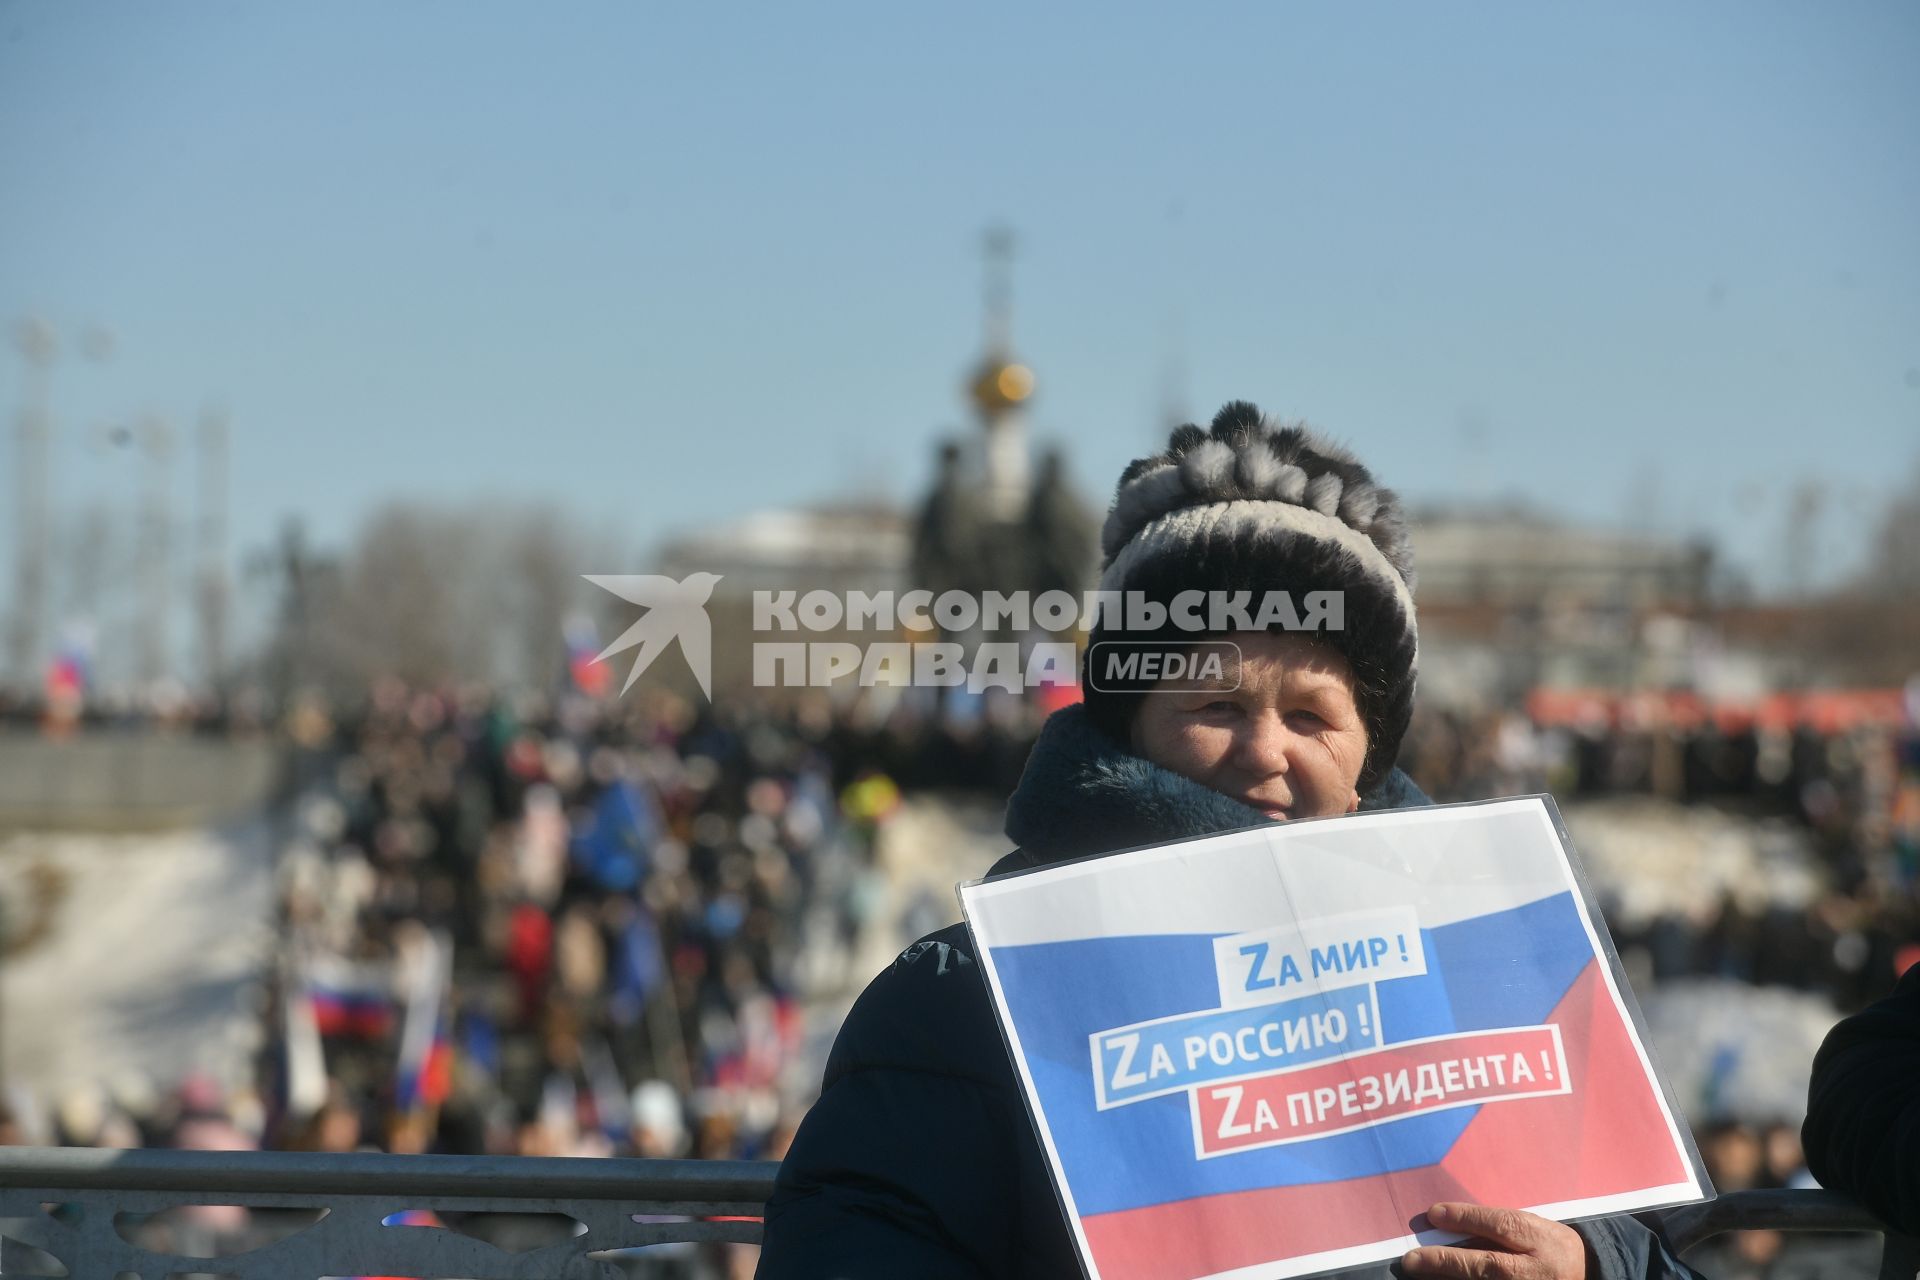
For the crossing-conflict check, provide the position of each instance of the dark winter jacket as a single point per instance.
(1862, 1134)
(919, 1160)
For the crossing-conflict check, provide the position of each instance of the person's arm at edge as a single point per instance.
(1622, 1247)
(906, 1166)
(889, 1175)
(1862, 1133)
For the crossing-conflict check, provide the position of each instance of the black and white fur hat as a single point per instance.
(1251, 505)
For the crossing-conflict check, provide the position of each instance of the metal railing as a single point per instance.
(1690, 1224)
(344, 1215)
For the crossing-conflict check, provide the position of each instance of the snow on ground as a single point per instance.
(132, 955)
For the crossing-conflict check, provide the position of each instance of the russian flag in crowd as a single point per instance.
(67, 675)
(303, 1059)
(590, 676)
(1264, 1052)
(349, 999)
(425, 1073)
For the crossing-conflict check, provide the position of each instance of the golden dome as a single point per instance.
(1000, 385)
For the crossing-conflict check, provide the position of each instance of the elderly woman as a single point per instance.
(919, 1161)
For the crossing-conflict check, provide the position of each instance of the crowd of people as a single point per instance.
(1851, 796)
(586, 927)
(636, 899)
(559, 926)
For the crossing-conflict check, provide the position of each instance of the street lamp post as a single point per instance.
(38, 347)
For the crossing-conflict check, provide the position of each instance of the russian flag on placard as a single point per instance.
(1274, 1049)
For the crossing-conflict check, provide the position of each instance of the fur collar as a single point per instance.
(1082, 793)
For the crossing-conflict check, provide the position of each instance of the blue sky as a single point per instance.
(1649, 263)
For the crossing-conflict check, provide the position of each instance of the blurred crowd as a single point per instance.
(1848, 798)
(1851, 797)
(1744, 1156)
(628, 905)
(584, 927)
(562, 926)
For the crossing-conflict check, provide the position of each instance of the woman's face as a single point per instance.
(1289, 741)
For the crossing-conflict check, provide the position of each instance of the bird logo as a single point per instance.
(674, 610)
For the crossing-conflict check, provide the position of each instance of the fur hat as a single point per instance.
(1251, 505)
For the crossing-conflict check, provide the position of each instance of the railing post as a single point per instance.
(1900, 1257)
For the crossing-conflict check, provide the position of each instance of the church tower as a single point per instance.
(999, 388)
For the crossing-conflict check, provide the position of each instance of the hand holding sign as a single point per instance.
(1526, 1246)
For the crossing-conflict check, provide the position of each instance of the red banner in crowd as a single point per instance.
(1821, 710)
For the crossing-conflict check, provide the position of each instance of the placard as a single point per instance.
(1266, 1053)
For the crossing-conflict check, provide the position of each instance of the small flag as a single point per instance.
(353, 1001)
(426, 1060)
(590, 675)
(306, 1060)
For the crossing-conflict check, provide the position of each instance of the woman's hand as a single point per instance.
(1512, 1245)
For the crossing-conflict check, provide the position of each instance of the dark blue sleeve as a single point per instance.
(1623, 1249)
(892, 1174)
(908, 1165)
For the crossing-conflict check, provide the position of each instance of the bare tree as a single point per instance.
(433, 594)
(1868, 632)
(1894, 563)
